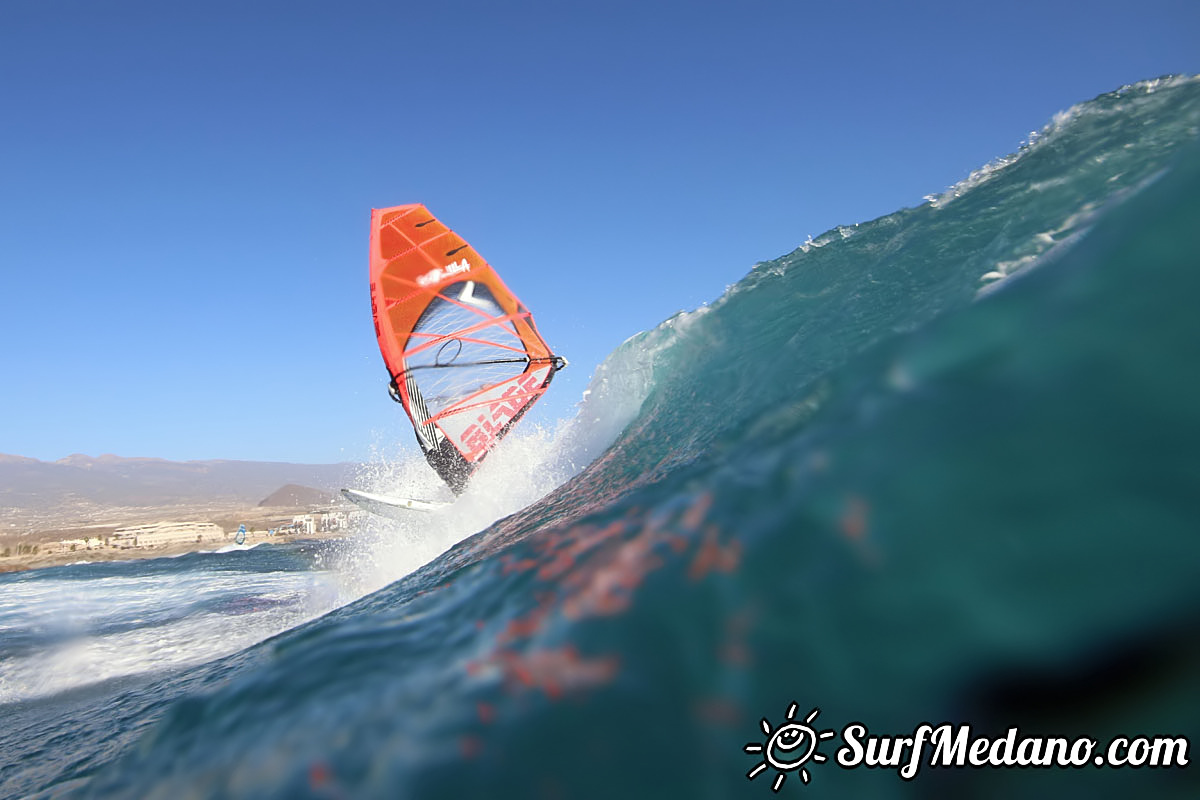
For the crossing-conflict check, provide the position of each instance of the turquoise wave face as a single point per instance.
(937, 467)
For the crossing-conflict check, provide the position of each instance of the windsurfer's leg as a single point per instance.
(451, 466)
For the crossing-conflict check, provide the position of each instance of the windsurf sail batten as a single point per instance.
(463, 355)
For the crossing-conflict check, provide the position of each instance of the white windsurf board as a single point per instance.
(393, 507)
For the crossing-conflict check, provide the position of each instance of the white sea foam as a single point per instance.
(232, 548)
(96, 629)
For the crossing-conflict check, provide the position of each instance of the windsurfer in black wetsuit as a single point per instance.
(450, 465)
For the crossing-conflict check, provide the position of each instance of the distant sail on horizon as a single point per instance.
(463, 355)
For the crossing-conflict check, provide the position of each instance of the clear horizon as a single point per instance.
(187, 190)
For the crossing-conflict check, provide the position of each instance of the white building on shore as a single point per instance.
(69, 545)
(160, 534)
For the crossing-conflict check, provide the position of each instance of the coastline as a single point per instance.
(33, 561)
(44, 541)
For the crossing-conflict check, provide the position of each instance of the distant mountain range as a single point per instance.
(293, 496)
(112, 480)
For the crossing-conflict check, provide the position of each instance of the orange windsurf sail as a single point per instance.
(463, 354)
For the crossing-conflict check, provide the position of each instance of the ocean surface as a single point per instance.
(942, 466)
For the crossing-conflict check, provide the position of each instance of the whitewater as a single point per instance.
(935, 467)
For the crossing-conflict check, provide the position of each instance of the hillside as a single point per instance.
(294, 496)
(29, 484)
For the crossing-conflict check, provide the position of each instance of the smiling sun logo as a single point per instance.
(788, 747)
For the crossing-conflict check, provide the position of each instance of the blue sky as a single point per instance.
(186, 187)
